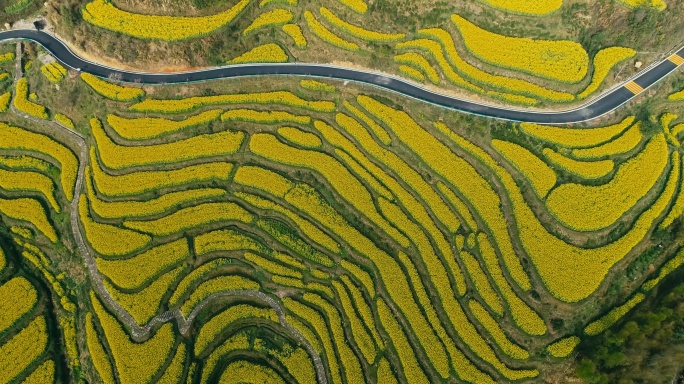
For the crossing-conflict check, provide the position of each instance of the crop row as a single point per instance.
(239, 341)
(286, 236)
(44, 373)
(563, 347)
(540, 175)
(140, 182)
(216, 285)
(536, 8)
(211, 330)
(117, 156)
(54, 72)
(604, 61)
(267, 53)
(359, 32)
(418, 61)
(134, 273)
(23, 349)
(314, 85)
(64, 120)
(31, 211)
(564, 61)
(589, 208)
(109, 240)
(299, 137)
(6, 57)
(576, 138)
(134, 362)
(359, 333)
(226, 240)
(272, 267)
(5, 99)
(494, 329)
(295, 32)
(139, 209)
(151, 127)
(14, 138)
(456, 171)
(29, 182)
(13, 310)
(267, 98)
(323, 33)
(588, 170)
(192, 217)
(241, 371)
(677, 209)
(23, 104)
(309, 229)
(264, 117)
(143, 305)
(97, 352)
(112, 91)
(273, 17)
(607, 320)
(105, 15)
(623, 144)
(570, 273)
(481, 284)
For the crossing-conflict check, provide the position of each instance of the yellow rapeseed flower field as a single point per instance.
(357, 31)
(273, 17)
(144, 128)
(604, 61)
(576, 138)
(536, 8)
(564, 61)
(31, 211)
(267, 53)
(588, 170)
(17, 353)
(323, 33)
(112, 91)
(23, 104)
(105, 15)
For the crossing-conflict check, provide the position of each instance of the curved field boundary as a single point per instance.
(606, 103)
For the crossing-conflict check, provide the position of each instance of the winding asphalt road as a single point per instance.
(596, 108)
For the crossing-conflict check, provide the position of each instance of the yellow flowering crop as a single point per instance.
(190, 104)
(265, 3)
(494, 329)
(409, 361)
(226, 240)
(150, 127)
(672, 265)
(588, 170)
(540, 175)
(294, 242)
(274, 17)
(613, 316)
(590, 208)
(326, 35)
(271, 266)
(481, 283)
(536, 8)
(217, 324)
(23, 349)
(30, 182)
(563, 347)
(359, 6)
(109, 240)
(267, 53)
(54, 72)
(357, 31)
(144, 304)
(506, 84)
(623, 144)
(118, 156)
(240, 371)
(676, 211)
(569, 272)
(135, 362)
(384, 373)
(112, 91)
(263, 179)
(419, 61)
(565, 61)
(5, 99)
(299, 137)
(105, 15)
(29, 210)
(25, 163)
(64, 120)
(174, 371)
(6, 57)
(412, 73)
(376, 129)
(576, 138)
(677, 96)
(215, 285)
(360, 335)
(657, 4)
(192, 217)
(295, 32)
(134, 273)
(45, 373)
(264, 117)
(361, 305)
(140, 182)
(604, 61)
(12, 308)
(23, 104)
(314, 85)
(98, 355)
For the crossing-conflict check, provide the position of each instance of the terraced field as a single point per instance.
(315, 231)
